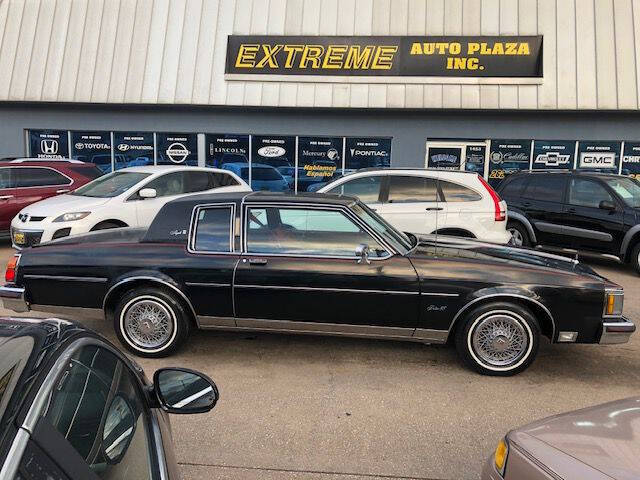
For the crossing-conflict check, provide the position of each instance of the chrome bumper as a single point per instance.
(13, 299)
(617, 332)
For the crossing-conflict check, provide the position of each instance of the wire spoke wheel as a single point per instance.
(499, 339)
(148, 323)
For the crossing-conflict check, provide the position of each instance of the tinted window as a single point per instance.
(177, 183)
(412, 189)
(513, 188)
(453, 192)
(111, 185)
(306, 232)
(91, 172)
(6, 178)
(549, 188)
(366, 189)
(628, 189)
(223, 180)
(98, 408)
(39, 177)
(587, 193)
(213, 230)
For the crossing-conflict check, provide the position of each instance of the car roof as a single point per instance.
(567, 171)
(165, 168)
(21, 160)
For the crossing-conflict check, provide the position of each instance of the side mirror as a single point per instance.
(180, 390)
(148, 193)
(362, 252)
(119, 428)
(607, 205)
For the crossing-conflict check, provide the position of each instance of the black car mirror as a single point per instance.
(607, 205)
(119, 428)
(180, 390)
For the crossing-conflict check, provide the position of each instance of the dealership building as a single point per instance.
(302, 90)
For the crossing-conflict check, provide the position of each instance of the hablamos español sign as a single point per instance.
(445, 56)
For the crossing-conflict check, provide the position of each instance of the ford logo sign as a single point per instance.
(271, 151)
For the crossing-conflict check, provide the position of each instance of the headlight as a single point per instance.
(613, 300)
(71, 216)
(500, 456)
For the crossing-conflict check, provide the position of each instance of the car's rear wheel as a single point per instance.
(519, 234)
(498, 338)
(151, 322)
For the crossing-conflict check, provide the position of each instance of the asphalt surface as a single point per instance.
(303, 407)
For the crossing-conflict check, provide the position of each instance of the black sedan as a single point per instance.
(73, 407)
(317, 264)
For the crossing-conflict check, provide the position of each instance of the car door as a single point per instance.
(589, 225)
(299, 271)
(95, 424)
(542, 202)
(411, 204)
(8, 203)
(168, 187)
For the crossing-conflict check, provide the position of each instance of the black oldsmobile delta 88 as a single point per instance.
(318, 264)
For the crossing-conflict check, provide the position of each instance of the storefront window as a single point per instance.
(177, 149)
(319, 162)
(599, 156)
(223, 148)
(365, 152)
(631, 159)
(132, 149)
(553, 154)
(272, 157)
(507, 157)
(48, 144)
(92, 147)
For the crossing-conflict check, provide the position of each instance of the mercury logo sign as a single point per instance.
(552, 159)
(332, 154)
(50, 147)
(177, 152)
(271, 151)
(598, 160)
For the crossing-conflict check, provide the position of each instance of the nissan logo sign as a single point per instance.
(177, 152)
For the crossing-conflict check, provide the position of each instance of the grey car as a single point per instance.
(596, 443)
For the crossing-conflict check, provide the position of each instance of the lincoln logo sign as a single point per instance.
(444, 56)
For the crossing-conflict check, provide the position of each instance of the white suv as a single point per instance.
(429, 201)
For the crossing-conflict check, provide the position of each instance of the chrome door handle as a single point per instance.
(258, 261)
(63, 191)
(433, 209)
(6, 197)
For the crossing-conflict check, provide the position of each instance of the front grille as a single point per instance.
(30, 238)
(63, 232)
(36, 219)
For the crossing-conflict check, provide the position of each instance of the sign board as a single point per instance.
(226, 148)
(410, 56)
(177, 149)
(474, 159)
(367, 152)
(507, 157)
(631, 159)
(553, 154)
(48, 144)
(92, 147)
(598, 155)
(271, 157)
(132, 149)
(319, 160)
(448, 158)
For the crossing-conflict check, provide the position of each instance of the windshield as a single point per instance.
(111, 185)
(627, 188)
(397, 239)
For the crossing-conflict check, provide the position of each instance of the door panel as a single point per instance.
(542, 202)
(327, 290)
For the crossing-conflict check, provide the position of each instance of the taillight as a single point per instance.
(498, 204)
(12, 267)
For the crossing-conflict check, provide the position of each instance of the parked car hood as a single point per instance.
(443, 245)
(63, 204)
(605, 437)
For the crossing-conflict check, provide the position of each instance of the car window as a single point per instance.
(367, 189)
(549, 188)
(39, 177)
(587, 193)
(453, 192)
(110, 185)
(627, 188)
(97, 406)
(300, 231)
(213, 230)
(411, 188)
(219, 179)
(176, 183)
(513, 188)
(6, 180)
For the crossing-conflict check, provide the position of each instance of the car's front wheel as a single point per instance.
(151, 322)
(498, 338)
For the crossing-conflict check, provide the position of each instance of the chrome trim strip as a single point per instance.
(69, 311)
(431, 335)
(323, 289)
(157, 436)
(206, 284)
(65, 278)
(13, 298)
(578, 232)
(12, 461)
(206, 321)
(439, 294)
(193, 227)
(512, 295)
(153, 279)
(616, 332)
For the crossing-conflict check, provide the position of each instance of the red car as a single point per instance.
(24, 181)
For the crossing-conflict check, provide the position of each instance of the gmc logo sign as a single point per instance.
(598, 160)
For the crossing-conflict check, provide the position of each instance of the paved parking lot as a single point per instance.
(301, 407)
